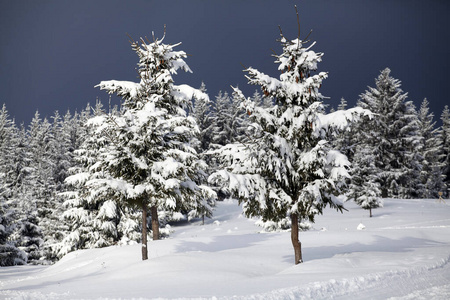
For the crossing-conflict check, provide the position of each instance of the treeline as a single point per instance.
(398, 153)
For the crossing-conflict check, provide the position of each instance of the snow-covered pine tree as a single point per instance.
(261, 100)
(286, 167)
(239, 121)
(7, 132)
(9, 254)
(149, 160)
(364, 188)
(411, 182)
(394, 135)
(343, 140)
(445, 139)
(94, 221)
(220, 116)
(342, 105)
(202, 115)
(27, 233)
(431, 150)
(229, 120)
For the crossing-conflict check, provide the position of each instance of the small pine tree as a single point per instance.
(364, 188)
(10, 255)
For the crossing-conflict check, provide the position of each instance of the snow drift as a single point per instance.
(403, 252)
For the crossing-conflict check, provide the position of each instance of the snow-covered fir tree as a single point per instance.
(238, 123)
(94, 220)
(148, 159)
(431, 150)
(262, 100)
(9, 214)
(7, 147)
(343, 140)
(10, 255)
(364, 188)
(445, 139)
(220, 117)
(229, 120)
(202, 114)
(40, 187)
(286, 167)
(394, 136)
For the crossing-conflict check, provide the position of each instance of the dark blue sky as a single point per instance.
(52, 53)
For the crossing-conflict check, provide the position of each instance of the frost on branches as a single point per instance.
(286, 167)
(146, 158)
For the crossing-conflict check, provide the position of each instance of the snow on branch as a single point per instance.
(124, 89)
(186, 92)
(341, 119)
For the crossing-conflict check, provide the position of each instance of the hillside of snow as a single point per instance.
(402, 252)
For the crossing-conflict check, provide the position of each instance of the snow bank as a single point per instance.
(403, 253)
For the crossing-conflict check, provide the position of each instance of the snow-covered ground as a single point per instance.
(402, 253)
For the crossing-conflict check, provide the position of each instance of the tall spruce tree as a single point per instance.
(445, 139)
(220, 117)
(10, 254)
(94, 221)
(394, 136)
(432, 178)
(286, 167)
(202, 114)
(148, 160)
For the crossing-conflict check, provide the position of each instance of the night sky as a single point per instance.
(52, 53)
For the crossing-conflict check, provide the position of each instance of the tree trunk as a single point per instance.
(155, 223)
(144, 231)
(370, 210)
(295, 241)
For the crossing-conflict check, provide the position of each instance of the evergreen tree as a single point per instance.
(238, 122)
(148, 160)
(220, 117)
(261, 100)
(431, 177)
(202, 115)
(364, 188)
(7, 129)
(342, 105)
(445, 139)
(38, 188)
(95, 220)
(286, 167)
(394, 136)
(344, 139)
(229, 120)
(9, 254)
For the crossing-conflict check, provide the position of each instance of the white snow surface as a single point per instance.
(403, 253)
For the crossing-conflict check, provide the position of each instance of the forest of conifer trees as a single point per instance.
(45, 211)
